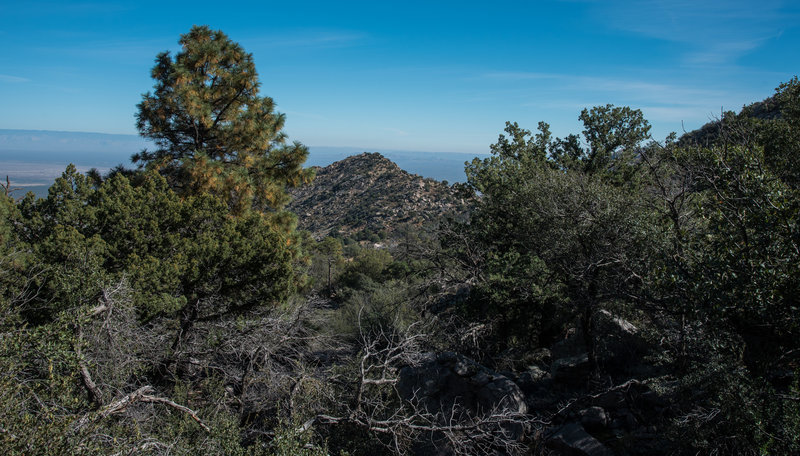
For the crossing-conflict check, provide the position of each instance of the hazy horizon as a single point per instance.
(32, 159)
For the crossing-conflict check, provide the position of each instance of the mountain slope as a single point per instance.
(711, 133)
(368, 192)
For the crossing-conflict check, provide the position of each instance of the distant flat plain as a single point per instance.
(32, 159)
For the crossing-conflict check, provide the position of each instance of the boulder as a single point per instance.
(501, 392)
(450, 383)
(607, 320)
(529, 380)
(594, 418)
(569, 347)
(619, 344)
(540, 356)
(451, 379)
(610, 400)
(572, 370)
(573, 440)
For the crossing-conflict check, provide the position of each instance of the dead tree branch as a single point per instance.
(140, 395)
(379, 407)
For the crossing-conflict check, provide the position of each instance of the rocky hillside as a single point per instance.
(369, 192)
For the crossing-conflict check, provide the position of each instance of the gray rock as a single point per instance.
(594, 418)
(541, 355)
(569, 347)
(610, 400)
(621, 345)
(481, 378)
(535, 373)
(450, 379)
(530, 379)
(541, 400)
(573, 440)
(465, 367)
(571, 370)
(619, 325)
(504, 393)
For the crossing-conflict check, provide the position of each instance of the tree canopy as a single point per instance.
(555, 223)
(182, 255)
(212, 129)
(699, 242)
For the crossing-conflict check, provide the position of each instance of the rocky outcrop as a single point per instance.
(450, 384)
(573, 440)
(368, 192)
(594, 418)
(573, 370)
(450, 380)
(619, 343)
(626, 416)
(622, 419)
(619, 348)
(550, 387)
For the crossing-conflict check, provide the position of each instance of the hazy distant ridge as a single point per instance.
(24, 152)
(92, 149)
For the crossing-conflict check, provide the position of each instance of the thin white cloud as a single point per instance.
(686, 21)
(649, 91)
(715, 32)
(667, 102)
(128, 51)
(631, 89)
(721, 53)
(519, 75)
(61, 8)
(307, 39)
(12, 79)
(673, 113)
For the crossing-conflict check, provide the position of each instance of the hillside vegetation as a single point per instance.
(602, 293)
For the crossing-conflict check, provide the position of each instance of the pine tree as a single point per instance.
(213, 131)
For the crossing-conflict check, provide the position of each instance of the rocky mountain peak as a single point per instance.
(368, 192)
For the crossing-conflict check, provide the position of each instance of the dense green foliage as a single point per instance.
(117, 293)
(212, 129)
(699, 243)
(560, 229)
(181, 263)
(186, 255)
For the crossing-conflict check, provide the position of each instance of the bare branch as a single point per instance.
(140, 395)
(167, 402)
(379, 408)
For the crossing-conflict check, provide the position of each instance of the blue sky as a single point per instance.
(430, 76)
